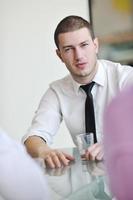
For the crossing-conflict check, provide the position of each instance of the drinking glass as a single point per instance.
(84, 140)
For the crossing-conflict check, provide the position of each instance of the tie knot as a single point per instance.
(88, 87)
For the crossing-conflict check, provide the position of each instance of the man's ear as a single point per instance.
(96, 44)
(59, 54)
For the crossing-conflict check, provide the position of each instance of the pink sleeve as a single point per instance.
(118, 144)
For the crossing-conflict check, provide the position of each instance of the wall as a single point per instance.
(28, 62)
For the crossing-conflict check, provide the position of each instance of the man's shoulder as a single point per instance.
(61, 82)
(108, 63)
(63, 86)
(115, 66)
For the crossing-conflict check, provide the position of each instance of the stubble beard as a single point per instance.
(86, 76)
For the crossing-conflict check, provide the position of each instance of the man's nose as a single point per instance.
(78, 53)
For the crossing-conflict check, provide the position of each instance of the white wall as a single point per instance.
(28, 62)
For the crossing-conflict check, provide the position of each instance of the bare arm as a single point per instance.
(53, 158)
(34, 144)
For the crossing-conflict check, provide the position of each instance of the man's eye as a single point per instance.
(84, 44)
(67, 49)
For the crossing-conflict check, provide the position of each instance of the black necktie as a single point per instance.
(89, 110)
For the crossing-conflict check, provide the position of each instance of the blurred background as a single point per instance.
(113, 24)
(28, 62)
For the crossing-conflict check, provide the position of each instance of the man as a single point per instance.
(118, 139)
(20, 177)
(77, 48)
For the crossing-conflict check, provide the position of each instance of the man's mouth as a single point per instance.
(81, 65)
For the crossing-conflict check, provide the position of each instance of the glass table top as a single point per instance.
(81, 180)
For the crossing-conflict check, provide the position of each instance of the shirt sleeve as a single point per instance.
(47, 118)
(125, 76)
(20, 177)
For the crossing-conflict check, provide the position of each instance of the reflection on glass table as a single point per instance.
(81, 180)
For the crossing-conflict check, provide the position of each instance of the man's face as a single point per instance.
(79, 53)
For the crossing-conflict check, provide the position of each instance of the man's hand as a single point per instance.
(94, 152)
(55, 158)
(37, 147)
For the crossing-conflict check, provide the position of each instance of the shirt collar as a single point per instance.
(76, 85)
(99, 78)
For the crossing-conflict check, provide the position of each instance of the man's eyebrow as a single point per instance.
(84, 41)
(71, 46)
(67, 46)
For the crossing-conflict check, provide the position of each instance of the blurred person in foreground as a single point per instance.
(77, 47)
(118, 144)
(20, 177)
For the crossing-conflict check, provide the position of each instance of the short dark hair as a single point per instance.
(71, 23)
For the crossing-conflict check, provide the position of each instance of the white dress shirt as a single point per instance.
(65, 100)
(20, 177)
